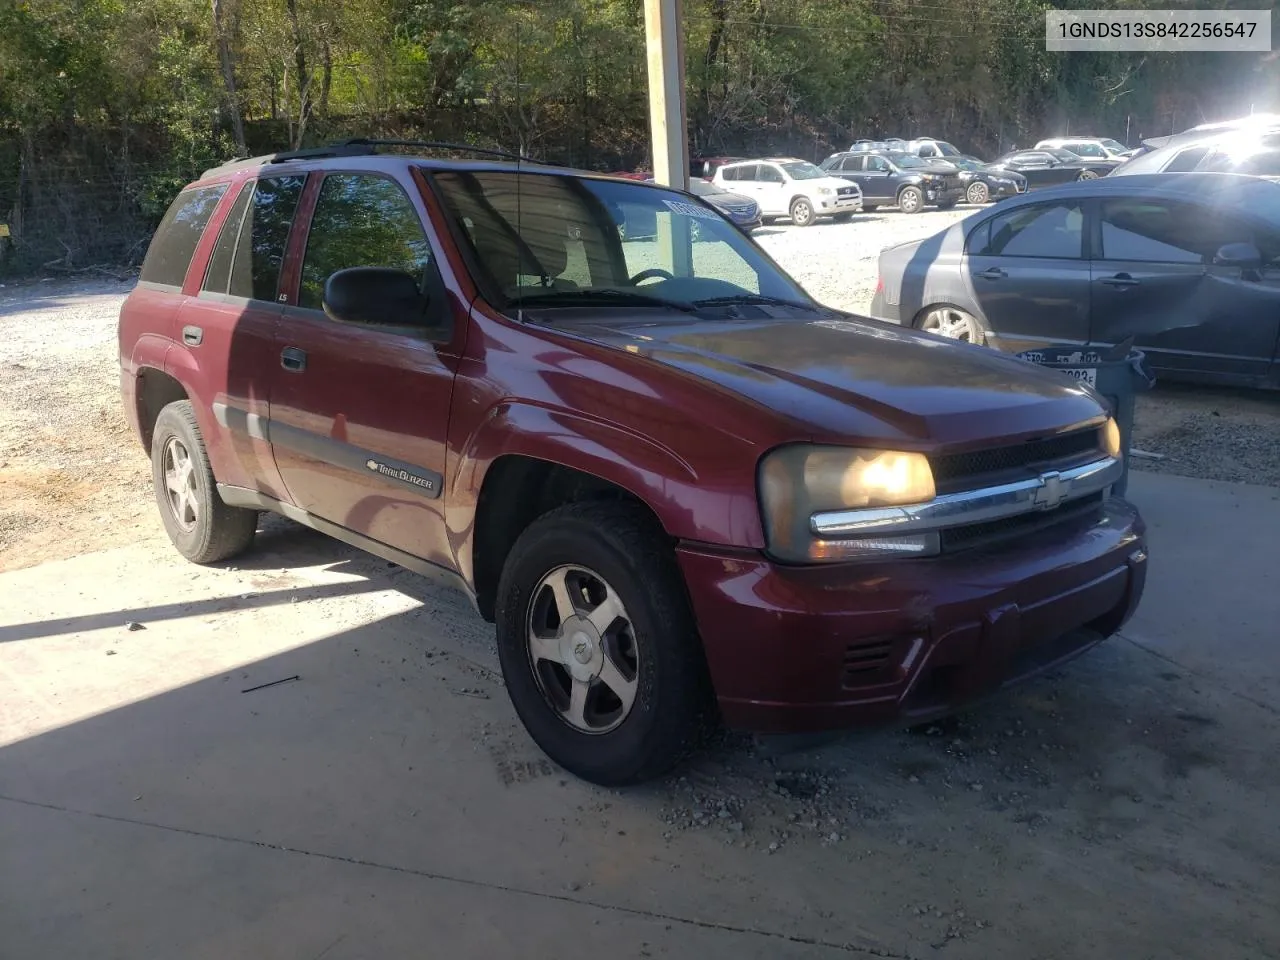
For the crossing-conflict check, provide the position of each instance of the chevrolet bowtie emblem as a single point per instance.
(1051, 492)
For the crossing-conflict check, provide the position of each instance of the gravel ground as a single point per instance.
(75, 480)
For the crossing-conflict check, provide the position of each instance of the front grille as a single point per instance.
(845, 191)
(1021, 186)
(961, 471)
(1085, 509)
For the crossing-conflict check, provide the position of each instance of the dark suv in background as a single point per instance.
(897, 178)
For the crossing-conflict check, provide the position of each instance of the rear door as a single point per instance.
(1154, 278)
(359, 413)
(229, 327)
(1029, 276)
(742, 179)
(772, 193)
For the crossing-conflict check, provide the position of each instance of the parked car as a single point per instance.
(1252, 153)
(891, 177)
(662, 475)
(1051, 167)
(743, 212)
(787, 187)
(1088, 148)
(1187, 264)
(983, 183)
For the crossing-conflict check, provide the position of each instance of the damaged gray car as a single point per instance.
(1187, 264)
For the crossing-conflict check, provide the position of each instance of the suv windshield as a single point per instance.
(561, 240)
(946, 149)
(906, 160)
(1115, 146)
(802, 170)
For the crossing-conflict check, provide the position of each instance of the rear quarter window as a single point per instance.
(178, 235)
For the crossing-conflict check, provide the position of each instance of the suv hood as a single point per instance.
(854, 379)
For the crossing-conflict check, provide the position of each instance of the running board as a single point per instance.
(256, 500)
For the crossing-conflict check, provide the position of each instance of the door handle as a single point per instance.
(993, 273)
(293, 359)
(1120, 280)
(192, 336)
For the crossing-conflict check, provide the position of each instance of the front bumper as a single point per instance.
(809, 648)
(848, 204)
(943, 194)
(1000, 190)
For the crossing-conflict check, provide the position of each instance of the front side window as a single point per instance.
(907, 161)
(802, 170)
(768, 173)
(1054, 230)
(947, 150)
(250, 251)
(1089, 150)
(179, 234)
(1161, 231)
(363, 220)
(554, 240)
(877, 164)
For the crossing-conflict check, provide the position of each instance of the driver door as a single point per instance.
(359, 413)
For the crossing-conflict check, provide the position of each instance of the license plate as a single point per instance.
(1088, 374)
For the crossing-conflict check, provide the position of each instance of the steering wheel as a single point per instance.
(653, 273)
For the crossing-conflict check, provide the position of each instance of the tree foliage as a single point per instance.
(108, 106)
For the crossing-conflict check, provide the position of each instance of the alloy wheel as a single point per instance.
(583, 649)
(180, 484)
(954, 324)
(977, 192)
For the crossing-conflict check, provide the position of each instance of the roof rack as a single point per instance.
(365, 147)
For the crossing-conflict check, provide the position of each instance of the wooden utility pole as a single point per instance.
(664, 38)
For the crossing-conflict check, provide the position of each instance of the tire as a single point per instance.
(1087, 175)
(802, 214)
(953, 323)
(978, 192)
(910, 200)
(842, 217)
(586, 546)
(201, 526)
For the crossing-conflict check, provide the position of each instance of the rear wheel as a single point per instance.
(977, 192)
(953, 323)
(910, 200)
(802, 212)
(599, 650)
(1087, 175)
(201, 526)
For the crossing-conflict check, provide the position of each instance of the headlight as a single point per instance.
(826, 192)
(800, 480)
(1111, 438)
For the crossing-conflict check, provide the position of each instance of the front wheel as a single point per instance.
(1087, 175)
(802, 212)
(977, 192)
(201, 526)
(598, 647)
(911, 200)
(953, 323)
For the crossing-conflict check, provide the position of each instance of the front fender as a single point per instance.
(704, 505)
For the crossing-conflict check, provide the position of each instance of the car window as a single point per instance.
(1042, 230)
(730, 173)
(745, 172)
(219, 270)
(928, 150)
(768, 173)
(179, 234)
(1114, 145)
(1162, 231)
(1090, 150)
(1186, 160)
(877, 164)
(855, 164)
(907, 160)
(250, 251)
(947, 149)
(363, 220)
(1032, 157)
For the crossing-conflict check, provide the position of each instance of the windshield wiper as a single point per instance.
(757, 298)
(606, 296)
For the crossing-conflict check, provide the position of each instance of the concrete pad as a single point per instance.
(1213, 598)
(151, 807)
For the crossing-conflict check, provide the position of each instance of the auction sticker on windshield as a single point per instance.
(691, 210)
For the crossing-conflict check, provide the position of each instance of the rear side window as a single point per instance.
(1187, 160)
(1054, 230)
(246, 262)
(362, 220)
(178, 235)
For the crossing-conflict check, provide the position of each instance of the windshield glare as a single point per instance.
(802, 170)
(556, 238)
(906, 160)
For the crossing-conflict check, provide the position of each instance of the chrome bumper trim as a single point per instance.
(1044, 492)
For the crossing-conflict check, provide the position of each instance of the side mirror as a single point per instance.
(378, 296)
(1243, 255)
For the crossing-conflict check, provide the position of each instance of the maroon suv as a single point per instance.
(663, 470)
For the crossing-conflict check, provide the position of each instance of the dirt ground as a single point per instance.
(1120, 807)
